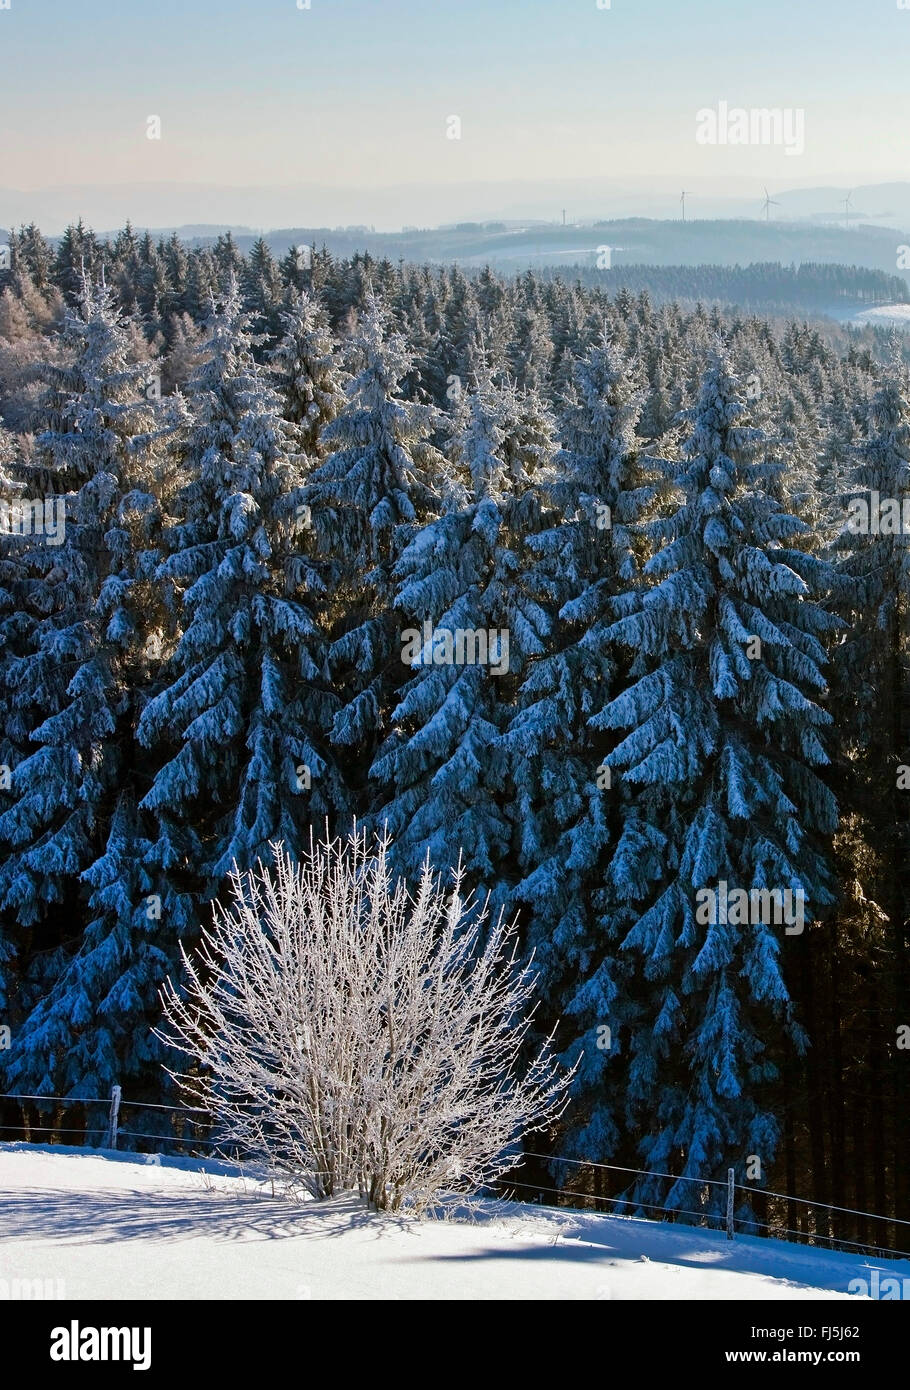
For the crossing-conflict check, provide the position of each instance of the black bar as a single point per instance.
(199, 1340)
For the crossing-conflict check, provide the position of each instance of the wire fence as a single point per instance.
(761, 1211)
(749, 1209)
(188, 1131)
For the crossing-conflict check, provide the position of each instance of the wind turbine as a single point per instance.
(768, 204)
(685, 194)
(846, 203)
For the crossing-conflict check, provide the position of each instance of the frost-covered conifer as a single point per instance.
(471, 626)
(307, 374)
(722, 736)
(237, 728)
(584, 557)
(75, 678)
(370, 494)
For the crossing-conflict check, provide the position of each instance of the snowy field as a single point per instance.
(108, 1226)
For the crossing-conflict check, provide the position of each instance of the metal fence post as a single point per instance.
(730, 1187)
(115, 1111)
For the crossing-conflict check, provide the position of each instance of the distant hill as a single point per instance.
(884, 204)
(631, 241)
(885, 316)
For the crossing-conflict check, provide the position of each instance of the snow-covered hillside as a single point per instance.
(885, 316)
(111, 1226)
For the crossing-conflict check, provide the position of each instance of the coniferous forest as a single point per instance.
(531, 571)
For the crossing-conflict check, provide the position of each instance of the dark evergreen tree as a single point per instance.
(721, 746)
(76, 675)
(374, 489)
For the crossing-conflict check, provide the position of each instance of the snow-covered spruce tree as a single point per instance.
(260, 280)
(457, 327)
(15, 630)
(657, 412)
(837, 454)
(78, 255)
(75, 681)
(799, 438)
(14, 623)
(353, 1035)
(722, 743)
(468, 627)
(126, 947)
(530, 344)
(566, 337)
(876, 556)
(184, 353)
(235, 729)
(307, 374)
(872, 688)
(372, 491)
(430, 366)
(563, 800)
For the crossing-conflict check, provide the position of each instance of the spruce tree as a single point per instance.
(872, 684)
(75, 681)
(237, 725)
(373, 490)
(722, 742)
(459, 580)
(307, 374)
(565, 806)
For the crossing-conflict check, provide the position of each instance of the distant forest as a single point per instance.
(274, 469)
(766, 288)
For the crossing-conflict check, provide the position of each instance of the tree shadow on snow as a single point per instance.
(94, 1217)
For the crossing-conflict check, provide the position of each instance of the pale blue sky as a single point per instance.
(355, 93)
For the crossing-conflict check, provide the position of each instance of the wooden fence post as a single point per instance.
(115, 1111)
(730, 1187)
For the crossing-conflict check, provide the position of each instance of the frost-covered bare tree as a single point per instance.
(353, 1034)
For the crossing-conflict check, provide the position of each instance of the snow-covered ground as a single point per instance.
(108, 1226)
(885, 316)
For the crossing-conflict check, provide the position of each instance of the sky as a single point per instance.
(351, 99)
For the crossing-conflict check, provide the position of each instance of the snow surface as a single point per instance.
(885, 316)
(114, 1226)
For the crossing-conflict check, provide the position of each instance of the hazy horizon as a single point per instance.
(351, 115)
(268, 208)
